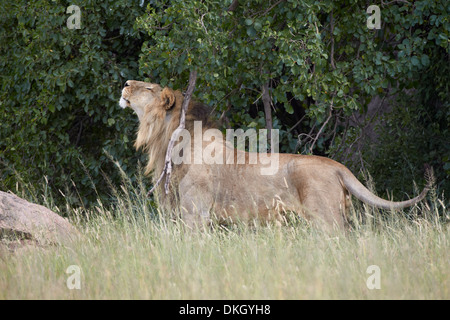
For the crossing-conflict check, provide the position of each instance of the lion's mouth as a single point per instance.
(124, 102)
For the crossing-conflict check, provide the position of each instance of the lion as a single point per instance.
(314, 187)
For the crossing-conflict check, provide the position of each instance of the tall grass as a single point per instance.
(129, 251)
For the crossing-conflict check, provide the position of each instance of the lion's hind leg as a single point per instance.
(324, 212)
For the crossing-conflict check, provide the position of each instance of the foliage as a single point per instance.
(321, 60)
(322, 63)
(59, 93)
(419, 124)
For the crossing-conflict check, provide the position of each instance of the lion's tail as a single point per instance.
(357, 189)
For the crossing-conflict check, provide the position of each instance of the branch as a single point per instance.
(165, 27)
(167, 171)
(332, 41)
(321, 129)
(233, 5)
(267, 110)
(268, 10)
(295, 125)
(390, 2)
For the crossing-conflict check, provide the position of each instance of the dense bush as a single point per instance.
(59, 93)
(416, 131)
(319, 60)
(322, 63)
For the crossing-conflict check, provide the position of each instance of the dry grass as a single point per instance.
(129, 253)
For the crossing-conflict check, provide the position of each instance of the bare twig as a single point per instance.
(223, 118)
(203, 24)
(390, 2)
(317, 28)
(335, 129)
(167, 171)
(321, 128)
(238, 87)
(264, 12)
(163, 28)
(295, 125)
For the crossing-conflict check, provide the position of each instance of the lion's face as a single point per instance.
(138, 95)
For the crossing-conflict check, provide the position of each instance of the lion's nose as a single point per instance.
(126, 84)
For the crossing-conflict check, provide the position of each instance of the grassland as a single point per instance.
(129, 252)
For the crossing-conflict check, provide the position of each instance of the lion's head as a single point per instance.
(159, 110)
(143, 96)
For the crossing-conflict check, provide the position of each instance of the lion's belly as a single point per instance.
(242, 193)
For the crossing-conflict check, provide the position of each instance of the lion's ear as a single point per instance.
(167, 98)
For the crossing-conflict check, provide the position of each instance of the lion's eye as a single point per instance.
(149, 89)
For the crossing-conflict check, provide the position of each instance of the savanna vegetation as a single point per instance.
(310, 69)
(135, 252)
(319, 61)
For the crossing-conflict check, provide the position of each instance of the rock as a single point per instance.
(29, 222)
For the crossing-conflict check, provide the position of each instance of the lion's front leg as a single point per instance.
(195, 206)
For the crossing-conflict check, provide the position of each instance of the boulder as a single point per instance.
(32, 223)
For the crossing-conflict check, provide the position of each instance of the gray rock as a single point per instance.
(29, 222)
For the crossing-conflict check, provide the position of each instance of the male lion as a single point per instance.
(315, 187)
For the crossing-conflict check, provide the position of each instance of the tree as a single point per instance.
(319, 60)
(59, 93)
(303, 67)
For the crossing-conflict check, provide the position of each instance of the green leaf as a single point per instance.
(415, 61)
(425, 60)
(288, 108)
(251, 32)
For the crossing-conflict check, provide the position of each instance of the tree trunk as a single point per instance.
(233, 5)
(267, 109)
